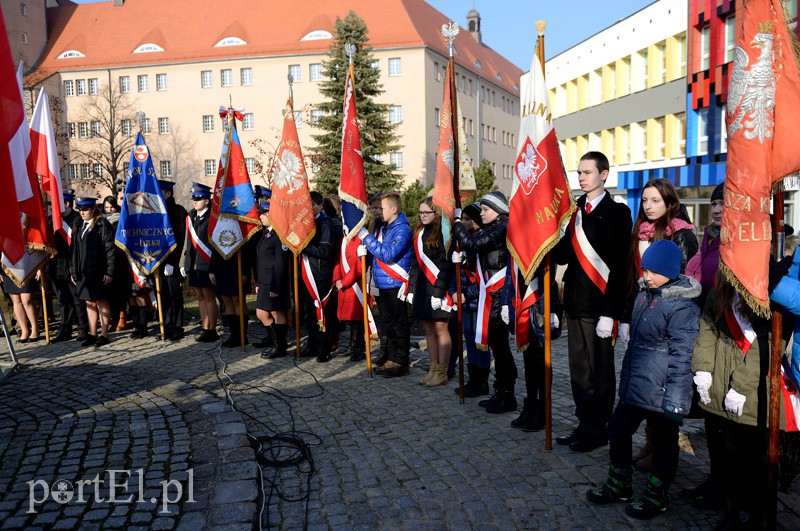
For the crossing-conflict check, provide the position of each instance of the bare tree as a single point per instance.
(178, 149)
(103, 137)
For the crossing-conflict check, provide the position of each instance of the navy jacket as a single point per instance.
(395, 248)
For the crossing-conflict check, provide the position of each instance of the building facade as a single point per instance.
(179, 75)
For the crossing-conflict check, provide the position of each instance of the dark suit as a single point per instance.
(320, 257)
(73, 310)
(171, 292)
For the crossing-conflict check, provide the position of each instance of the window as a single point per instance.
(436, 116)
(471, 129)
(126, 126)
(85, 171)
(211, 167)
(23, 7)
(723, 134)
(166, 168)
(97, 170)
(226, 77)
(69, 88)
(315, 72)
(250, 164)
(125, 166)
(641, 155)
(71, 130)
(124, 84)
(83, 130)
(163, 126)
(24, 38)
(74, 172)
(659, 140)
(680, 133)
(161, 81)
(702, 132)
(143, 83)
(316, 116)
(396, 114)
(705, 46)
(146, 126)
(682, 53)
(298, 119)
(248, 122)
(208, 123)
(96, 129)
(730, 38)
(395, 67)
(94, 87)
(294, 71)
(246, 75)
(206, 79)
(469, 87)
(80, 86)
(437, 74)
(396, 159)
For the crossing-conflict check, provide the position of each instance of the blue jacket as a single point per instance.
(787, 294)
(396, 247)
(657, 369)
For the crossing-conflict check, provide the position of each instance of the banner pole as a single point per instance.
(296, 310)
(366, 314)
(44, 310)
(160, 306)
(242, 315)
(7, 332)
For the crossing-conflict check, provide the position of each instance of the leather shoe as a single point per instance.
(566, 440)
(391, 369)
(101, 341)
(324, 358)
(588, 443)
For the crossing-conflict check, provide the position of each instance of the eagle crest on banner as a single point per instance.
(530, 166)
(287, 172)
(751, 97)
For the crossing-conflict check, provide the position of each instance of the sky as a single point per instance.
(507, 26)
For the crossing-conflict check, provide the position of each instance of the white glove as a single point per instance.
(504, 314)
(183, 272)
(168, 270)
(624, 332)
(605, 325)
(436, 303)
(734, 402)
(702, 380)
(457, 213)
(554, 322)
(410, 298)
(363, 233)
(457, 257)
(361, 251)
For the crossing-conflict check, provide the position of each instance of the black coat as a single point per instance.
(191, 260)
(59, 265)
(320, 252)
(608, 229)
(177, 220)
(92, 253)
(420, 286)
(272, 264)
(491, 249)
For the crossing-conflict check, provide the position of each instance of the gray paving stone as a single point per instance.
(235, 491)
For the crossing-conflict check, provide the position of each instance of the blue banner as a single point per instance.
(144, 231)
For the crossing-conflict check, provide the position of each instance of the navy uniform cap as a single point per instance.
(200, 191)
(262, 191)
(86, 203)
(166, 185)
(69, 194)
(263, 208)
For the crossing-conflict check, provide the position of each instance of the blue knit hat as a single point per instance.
(663, 257)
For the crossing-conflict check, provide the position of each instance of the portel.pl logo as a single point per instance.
(112, 489)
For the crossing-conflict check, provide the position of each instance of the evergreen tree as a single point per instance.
(378, 136)
(412, 197)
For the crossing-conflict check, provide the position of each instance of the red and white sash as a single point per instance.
(594, 266)
(394, 271)
(373, 329)
(311, 285)
(487, 287)
(431, 271)
(522, 307)
(66, 231)
(791, 402)
(201, 248)
(740, 327)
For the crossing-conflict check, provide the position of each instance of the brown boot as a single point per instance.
(121, 323)
(439, 376)
(424, 380)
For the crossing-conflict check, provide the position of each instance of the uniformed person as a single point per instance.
(171, 291)
(272, 285)
(197, 261)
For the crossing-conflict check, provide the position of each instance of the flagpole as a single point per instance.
(241, 297)
(548, 365)
(44, 309)
(774, 412)
(296, 310)
(160, 306)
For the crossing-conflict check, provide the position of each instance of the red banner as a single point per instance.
(445, 187)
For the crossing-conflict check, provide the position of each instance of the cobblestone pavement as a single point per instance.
(339, 450)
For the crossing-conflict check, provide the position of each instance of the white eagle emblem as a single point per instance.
(287, 172)
(751, 97)
(448, 156)
(530, 166)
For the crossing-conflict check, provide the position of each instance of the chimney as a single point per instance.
(474, 25)
(119, 3)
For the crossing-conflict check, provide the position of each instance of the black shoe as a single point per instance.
(208, 336)
(23, 340)
(358, 356)
(176, 335)
(391, 369)
(566, 440)
(267, 342)
(273, 354)
(137, 334)
(324, 358)
(505, 404)
(82, 335)
(89, 341)
(491, 400)
(529, 420)
(589, 443)
(101, 341)
(63, 335)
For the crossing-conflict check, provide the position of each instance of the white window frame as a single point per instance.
(396, 114)
(723, 134)
(295, 72)
(97, 170)
(702, 126)
(315, 72)
(80, 87)
(146, 126)
(69, 88)
(250, 164)
(316, 116)
(96, 129)
(85, 172)
(246, 76)
(210, 167)
(124, 84)
(206, 79)
(730, 38)
(94, 86)
(396, 159)
(395, 67)
(165, 168)
(83, 129)
(248, 122)
(163, 126)
(126, 126)
(705, 47)
(208, 123)
(298, 119)
(72, 130)
(161, 82)
(74, 172)
(142, 83)
(226, 77)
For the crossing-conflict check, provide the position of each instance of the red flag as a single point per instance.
(290, 210)
(12, 114)
(541, 202)
(352, 181)
(45, 162)
(445, 186)
(763, 111)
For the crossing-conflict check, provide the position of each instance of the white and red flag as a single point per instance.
(12, 116)
(45, 162)
(541, 202)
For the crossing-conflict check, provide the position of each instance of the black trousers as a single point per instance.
(533, 357)
(395, 325)
(171, 300)
(743, 467)
(318, 340)
(592, 375)
(73, 310)
(505, 370)
(624, 423)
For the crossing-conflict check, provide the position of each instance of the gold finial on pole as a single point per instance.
(540, 26)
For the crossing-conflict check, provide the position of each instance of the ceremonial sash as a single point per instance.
(394, 271)
(373, 329)
(66, 231)
(487, 287)
(311, 286)
(201, 248)
(741, 329)
(431, 272)
(594, 266)
(522, 307)
(791, 403)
